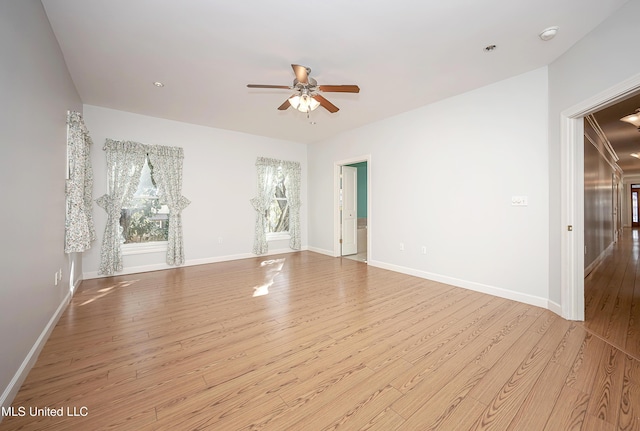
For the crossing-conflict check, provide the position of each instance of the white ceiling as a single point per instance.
(402, 53)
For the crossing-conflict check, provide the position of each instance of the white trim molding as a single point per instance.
(477, 287)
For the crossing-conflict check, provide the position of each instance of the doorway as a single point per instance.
(635, 218)
(572, 299)
(352, 212)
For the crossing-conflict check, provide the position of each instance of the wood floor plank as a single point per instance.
(386, 420)
(569, 411)
(504, 333)
(595, 423)
(437, 408)
(502, 409)
(504, 367)
(364, 405)
(607, 387)
(585, 366)
(543, 396)
(629, 413)
(568, 348)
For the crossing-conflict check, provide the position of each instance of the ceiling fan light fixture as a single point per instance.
(633, 118)
(306, 96)
(304, 103)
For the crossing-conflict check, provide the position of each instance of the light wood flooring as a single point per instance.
(306, 342)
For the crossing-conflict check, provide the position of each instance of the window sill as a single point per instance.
(142, 248)
(280, 236)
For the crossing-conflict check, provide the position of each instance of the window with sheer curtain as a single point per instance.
(125, 163)
(277, 203)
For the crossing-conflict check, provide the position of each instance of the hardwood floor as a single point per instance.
(612, 296)
(304, 341)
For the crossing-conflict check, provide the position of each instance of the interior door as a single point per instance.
(349, 211)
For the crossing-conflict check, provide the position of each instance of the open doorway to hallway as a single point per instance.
(572, 262)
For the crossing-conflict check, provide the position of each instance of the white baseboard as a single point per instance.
(190, 262)
(76, 284)
(555, 307)
(477, 287)
(321, 251)
(11, 391)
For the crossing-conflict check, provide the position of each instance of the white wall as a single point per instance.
(219, 179)
(443, 176)
(599, 61)
(36, 93)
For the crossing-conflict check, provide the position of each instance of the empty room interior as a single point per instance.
(323, 215)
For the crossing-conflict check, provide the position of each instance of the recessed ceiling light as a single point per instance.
(490, 48)
(548, 33)
(158, 84)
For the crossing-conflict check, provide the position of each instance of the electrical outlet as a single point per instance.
(402, 246)
(219, 240)
(424, 249)
(519, 201)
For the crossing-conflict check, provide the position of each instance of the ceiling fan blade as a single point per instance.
(326, 104)
(301, 73)
(284, 106)
(284, 87)
(339, 88)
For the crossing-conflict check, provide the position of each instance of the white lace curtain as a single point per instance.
(125, 160)
(266, 183)
(167, 172)
(79, 227)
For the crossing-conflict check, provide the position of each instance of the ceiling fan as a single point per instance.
(306, 97)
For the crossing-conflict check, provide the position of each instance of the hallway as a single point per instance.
(612, 295)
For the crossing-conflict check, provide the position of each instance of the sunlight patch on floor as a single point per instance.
(273, 268)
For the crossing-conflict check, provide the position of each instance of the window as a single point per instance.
(278, 211)
(146, 219)
(277, 203)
